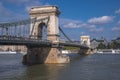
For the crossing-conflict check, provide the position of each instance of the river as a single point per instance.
(91, 67)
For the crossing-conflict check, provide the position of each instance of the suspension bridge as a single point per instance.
(43, 46)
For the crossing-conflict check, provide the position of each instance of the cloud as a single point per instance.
(101, 20)
(118, 22)
(116, 29)
(73, 25)
(68, 23)
(26, 3)
(117, 11)
(96, 30)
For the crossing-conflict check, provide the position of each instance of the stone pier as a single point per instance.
(45, 54)
(86, 51)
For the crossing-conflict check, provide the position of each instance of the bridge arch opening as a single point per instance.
(42, 31)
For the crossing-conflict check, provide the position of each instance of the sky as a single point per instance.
(96, 18)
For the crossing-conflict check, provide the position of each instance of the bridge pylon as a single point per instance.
(85, 41)
(45, 54)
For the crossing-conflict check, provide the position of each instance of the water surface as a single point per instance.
(91, 67)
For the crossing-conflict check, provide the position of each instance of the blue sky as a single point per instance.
(97, 18)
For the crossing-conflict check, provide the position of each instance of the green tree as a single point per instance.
(101, 46)
(115, 45)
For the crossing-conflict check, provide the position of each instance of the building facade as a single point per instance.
(18, 48)
(95, 42)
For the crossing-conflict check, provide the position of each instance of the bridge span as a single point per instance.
(11, 40)
(39, 50)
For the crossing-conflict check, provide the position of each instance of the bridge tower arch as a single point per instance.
(49, 12)
(41, 31)
(85, 40)
(45, 54)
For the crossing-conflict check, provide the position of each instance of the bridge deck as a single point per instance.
(73, 44)
(11, 40)
(24, 41)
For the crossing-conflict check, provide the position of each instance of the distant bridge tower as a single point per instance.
(85, 40)
(45, 54)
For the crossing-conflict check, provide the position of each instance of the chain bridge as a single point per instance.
(41, 35)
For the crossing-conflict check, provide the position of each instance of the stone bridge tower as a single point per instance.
(51, 24)
(85, 41)
(45, 54)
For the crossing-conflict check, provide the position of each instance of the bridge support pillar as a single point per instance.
(44, 55)
(85, 51)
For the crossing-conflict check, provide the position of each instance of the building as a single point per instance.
(95, 42)
(13, 48)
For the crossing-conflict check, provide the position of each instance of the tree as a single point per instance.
(101, 46)
(115, 45)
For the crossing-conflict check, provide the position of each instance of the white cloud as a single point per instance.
(71, 25)
(117, 11)
(74, 25)
(27, 3)
(118, 22)
(68, 23)
(116, 29)
(82, 33)
(64, 21)
(101, 20)
(96, 30)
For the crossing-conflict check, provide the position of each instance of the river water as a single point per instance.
(91, 67)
